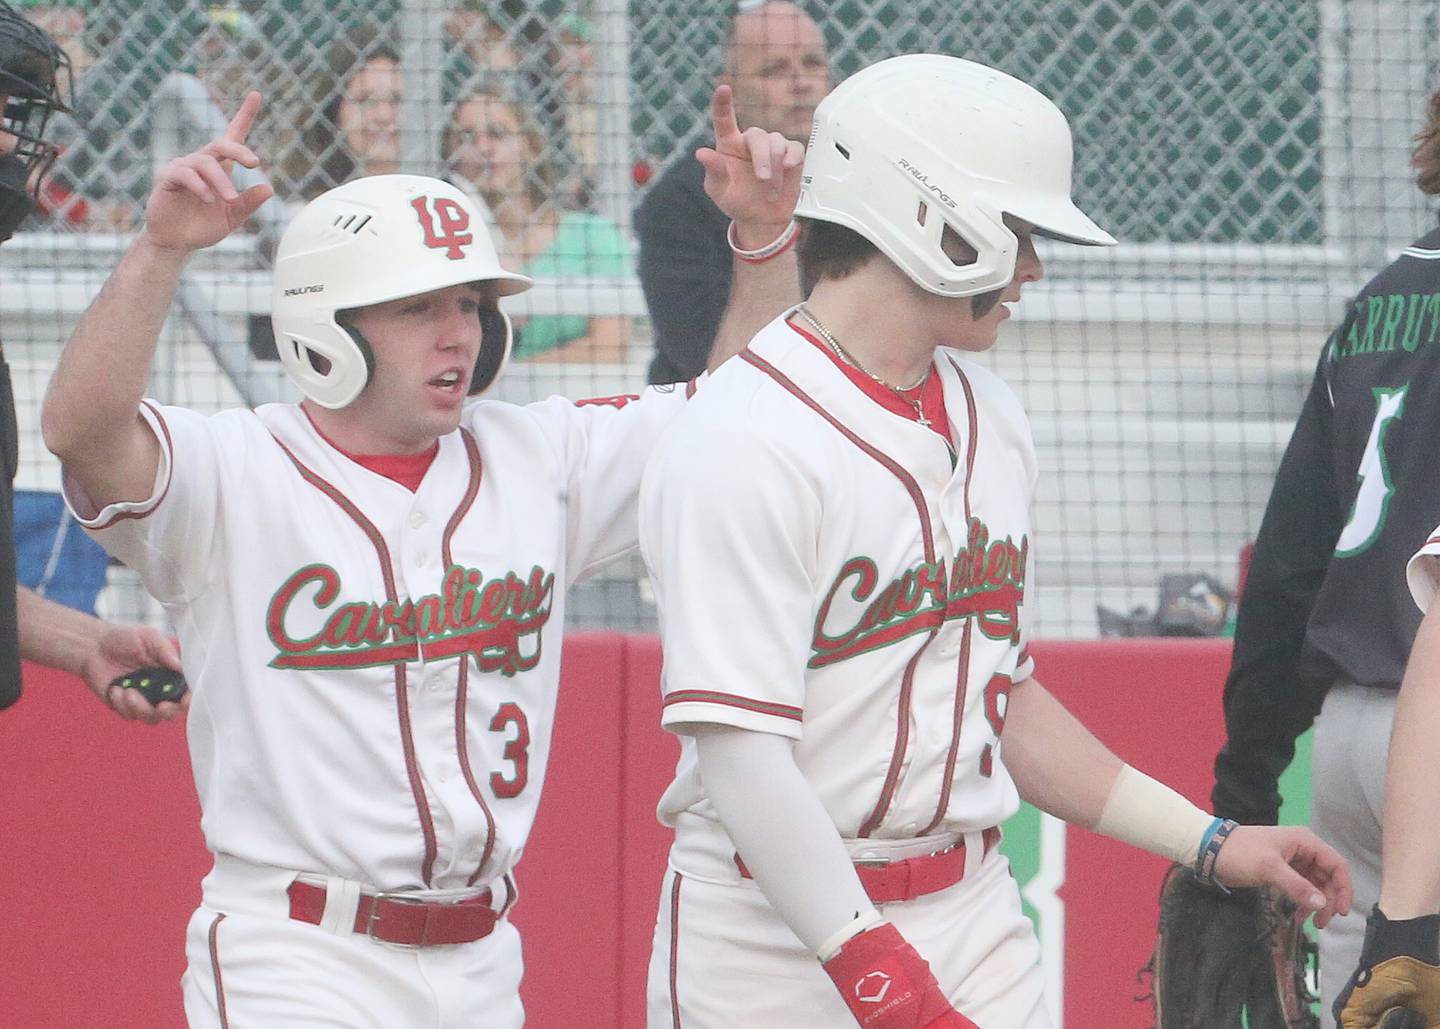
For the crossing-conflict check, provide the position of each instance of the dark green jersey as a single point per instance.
(1356, 495)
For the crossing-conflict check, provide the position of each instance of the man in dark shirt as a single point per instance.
(34, 83)
(776, 63)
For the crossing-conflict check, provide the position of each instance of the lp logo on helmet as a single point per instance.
(453, 220)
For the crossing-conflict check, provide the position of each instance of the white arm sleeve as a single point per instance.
(781, 831)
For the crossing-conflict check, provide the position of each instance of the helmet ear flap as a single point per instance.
(362, 344)
(496, 339)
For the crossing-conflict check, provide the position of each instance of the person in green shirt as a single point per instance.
(494, 149)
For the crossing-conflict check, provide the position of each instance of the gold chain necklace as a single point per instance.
(848, 358)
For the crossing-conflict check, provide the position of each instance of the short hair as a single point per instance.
(830, 251)
(1426, 158)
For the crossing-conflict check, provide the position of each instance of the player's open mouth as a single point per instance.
(448, 381)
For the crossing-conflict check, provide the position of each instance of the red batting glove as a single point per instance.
(887, 985)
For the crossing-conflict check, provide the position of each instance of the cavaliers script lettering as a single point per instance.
(498, 622)
(986, 582)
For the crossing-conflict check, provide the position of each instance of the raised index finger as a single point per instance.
(722, 117)
(239, 126)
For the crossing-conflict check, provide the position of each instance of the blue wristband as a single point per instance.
(1209, 851)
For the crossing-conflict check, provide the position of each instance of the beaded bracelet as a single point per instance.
(1209, 851)
(781, 243)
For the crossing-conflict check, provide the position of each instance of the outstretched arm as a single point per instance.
(1059, 766)
(73, 641)
(754, 178)
(1410, 878)
(1267, 704)
(90, 418)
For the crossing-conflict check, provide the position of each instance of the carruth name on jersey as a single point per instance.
(986, 582)
(492, 620)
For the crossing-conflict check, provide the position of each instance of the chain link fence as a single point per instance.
(1250, 154)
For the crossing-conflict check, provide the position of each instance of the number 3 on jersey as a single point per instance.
(509, 717)
(1372, 499)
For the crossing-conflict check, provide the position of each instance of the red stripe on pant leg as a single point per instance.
(674, 949)
(215, 967)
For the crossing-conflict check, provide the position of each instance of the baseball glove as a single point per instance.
(1397, 984)
(1220, 957)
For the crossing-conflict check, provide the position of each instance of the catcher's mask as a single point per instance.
(35, 77)
(375, 239)
(906, 147)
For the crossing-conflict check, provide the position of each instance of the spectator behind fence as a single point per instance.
(63, 199)
(494, 149)
(775, 60)
(566, 90)
(351, 118)
(473, 30)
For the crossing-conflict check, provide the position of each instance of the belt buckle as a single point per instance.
(403, 897)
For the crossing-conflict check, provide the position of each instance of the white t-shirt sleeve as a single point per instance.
(169, 538)
(728, 530)
(1422, 572)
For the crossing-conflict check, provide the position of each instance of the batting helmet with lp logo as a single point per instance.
(34, 82)
(371, 240)
(908, 147)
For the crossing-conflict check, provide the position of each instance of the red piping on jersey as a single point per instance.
(962, 675)
(215, 968)
(402, 691)
(902, 715)
(170, 450)
(761, 707)
(462, 749)
(675, 950)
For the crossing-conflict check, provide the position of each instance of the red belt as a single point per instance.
(913, 877)
(396, 918)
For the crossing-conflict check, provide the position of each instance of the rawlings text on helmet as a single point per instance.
(927, 134)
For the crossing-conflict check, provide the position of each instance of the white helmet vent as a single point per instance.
(349, 223)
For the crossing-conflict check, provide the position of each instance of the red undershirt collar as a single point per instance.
(406, 469)
(931, 391)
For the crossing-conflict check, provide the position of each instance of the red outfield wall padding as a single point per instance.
(101, 851)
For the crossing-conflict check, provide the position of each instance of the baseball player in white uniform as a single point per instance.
(369, 586)
(838, 530)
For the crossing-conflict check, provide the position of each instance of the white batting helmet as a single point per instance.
(375, 239)
(906, 146)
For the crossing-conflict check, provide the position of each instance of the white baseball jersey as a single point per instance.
(375, 670)
(1422, 571)
(826, 573)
